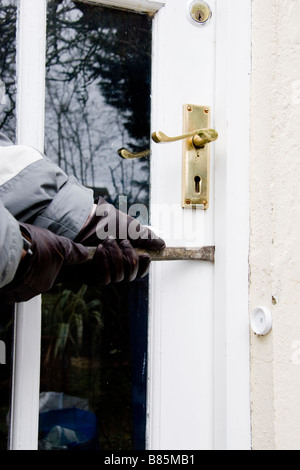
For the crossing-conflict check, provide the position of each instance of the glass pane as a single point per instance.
(94, 341)
(8, 13)
(8, 16)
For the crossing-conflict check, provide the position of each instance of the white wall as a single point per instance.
(275, 222)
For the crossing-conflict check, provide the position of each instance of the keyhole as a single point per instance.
(197, 181)
(199, 16)
(199, 12)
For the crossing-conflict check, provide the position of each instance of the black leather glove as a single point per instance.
(116, 235)
(37, 271)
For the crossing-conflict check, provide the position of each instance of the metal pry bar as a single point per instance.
(205, 253)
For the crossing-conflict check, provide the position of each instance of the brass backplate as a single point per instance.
(195, 161)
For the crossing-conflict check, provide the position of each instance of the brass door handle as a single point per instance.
(200, 138)
(195, 154)
(124, 153)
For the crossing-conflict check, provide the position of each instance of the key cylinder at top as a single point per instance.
(198, 12)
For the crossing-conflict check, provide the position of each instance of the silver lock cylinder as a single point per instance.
(198, 12)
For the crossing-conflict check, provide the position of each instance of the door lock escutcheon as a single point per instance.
(196, 157)
(196, 137)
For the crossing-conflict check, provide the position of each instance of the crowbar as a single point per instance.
(205, 253)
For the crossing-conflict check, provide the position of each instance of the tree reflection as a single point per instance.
(8, 14)
(98, 100)
(98, 94)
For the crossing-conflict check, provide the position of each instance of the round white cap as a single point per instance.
(261, 321)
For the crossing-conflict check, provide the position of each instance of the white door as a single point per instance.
(198, 359)
(199, 342)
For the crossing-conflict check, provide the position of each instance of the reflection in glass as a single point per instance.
(98, 95)
(94, 341)
(8, 13)
(8, 16)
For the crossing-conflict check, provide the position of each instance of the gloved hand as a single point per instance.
(37, 272)
(116, 235)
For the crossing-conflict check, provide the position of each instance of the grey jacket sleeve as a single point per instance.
(10, 246)
(36, 191)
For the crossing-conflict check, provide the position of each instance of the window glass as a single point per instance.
(94, 341)
(8, 13)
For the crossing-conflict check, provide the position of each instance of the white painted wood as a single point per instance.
(26, 374)
(31, 46)
(181, 319)
(231, 318)
(199, 327)
(146, 6)
(31, 41)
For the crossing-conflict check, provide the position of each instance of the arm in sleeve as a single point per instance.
(11, 245)
(36, 191)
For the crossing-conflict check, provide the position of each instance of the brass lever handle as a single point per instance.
(200, 137)
(124, 153)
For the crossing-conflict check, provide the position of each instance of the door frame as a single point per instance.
(232, 425)
(231, 387)
(31, 47)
